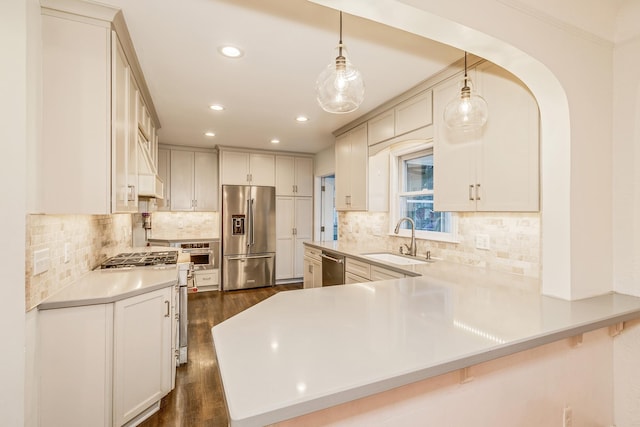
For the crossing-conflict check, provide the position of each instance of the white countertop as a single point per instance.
(305, 350)
(110, 285)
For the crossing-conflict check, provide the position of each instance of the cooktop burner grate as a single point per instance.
(141, 259)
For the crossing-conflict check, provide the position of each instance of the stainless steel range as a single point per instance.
(141, 259)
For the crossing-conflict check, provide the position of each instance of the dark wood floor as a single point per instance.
(197, 400)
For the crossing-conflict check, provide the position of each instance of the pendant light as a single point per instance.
(339, 87)
(467, 112)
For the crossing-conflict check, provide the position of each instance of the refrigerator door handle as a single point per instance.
(237, 258)
(252, 236)
(249, 223)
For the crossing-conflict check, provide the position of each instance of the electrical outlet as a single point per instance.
(567, 417)
(41, 261)
(67, 247)
(483, 241)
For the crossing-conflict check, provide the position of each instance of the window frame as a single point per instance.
(397, 154)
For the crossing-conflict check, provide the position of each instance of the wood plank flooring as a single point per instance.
(197, 400)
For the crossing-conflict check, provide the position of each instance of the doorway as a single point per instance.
(328, 214)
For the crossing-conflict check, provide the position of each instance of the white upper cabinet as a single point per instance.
(194, 181)
(91, 102)
(351, 169)
(244, 168)
(294, 176)
(496, 169)
(164, 172)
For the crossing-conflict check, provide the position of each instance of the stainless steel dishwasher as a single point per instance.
(332, 269)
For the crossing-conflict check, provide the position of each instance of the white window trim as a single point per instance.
(397, 151)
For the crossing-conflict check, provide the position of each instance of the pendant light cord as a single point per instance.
(340, 42)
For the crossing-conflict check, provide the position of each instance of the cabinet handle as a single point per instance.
(310, 268)
(295, 231)
(471, 192)
(477, 191)
(168, 313)
(195, 203)
(131, 195)
(295, 188)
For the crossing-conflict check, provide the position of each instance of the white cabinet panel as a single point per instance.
(243, 168)
(142, 352)
(293, 227)
(382, 127)
(76, 350)
(496, 169)
(294, 176)
(194, 181)
(164, 172)
(351, 169)
(414, 113)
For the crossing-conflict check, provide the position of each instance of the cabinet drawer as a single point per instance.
(358, 268)
(378, 273)
(205, 278)
(354, 278)
(313, 253)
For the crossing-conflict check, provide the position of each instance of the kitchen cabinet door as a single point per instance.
(508, 158)
(164, 172)
(351, 170)
(262, 169)
(414, 113)
(182, 180)
(75, 172)
(205, 181)
(285, 239)
(294, 226)
(294, 176)
(142, 353)
(303, 228)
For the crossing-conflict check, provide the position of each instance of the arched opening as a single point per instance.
(555, 172)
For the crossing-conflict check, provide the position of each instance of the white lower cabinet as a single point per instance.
(294, 226)
(142, 353)
(357, 271)
(106, 364)
(312, 268)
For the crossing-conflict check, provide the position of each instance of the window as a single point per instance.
(414, 195)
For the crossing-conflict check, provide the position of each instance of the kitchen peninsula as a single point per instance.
(362, 354)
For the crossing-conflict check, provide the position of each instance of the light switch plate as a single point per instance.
(41, 261)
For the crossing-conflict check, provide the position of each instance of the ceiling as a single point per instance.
(286, 44)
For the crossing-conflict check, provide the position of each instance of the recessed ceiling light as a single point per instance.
(216, 107)
(275, 141)
(302, 119)
(209, 134)
(230, 51)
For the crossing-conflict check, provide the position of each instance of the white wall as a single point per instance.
(13, 137)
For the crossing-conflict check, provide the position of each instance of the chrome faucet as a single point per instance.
(412, 248)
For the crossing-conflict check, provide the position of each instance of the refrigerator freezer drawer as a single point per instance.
(250, 271)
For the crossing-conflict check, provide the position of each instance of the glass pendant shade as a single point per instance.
(339, 86)
(468, 111)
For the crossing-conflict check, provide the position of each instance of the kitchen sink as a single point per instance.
(395, 259)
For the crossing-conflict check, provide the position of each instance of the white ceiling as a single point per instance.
(286, 43)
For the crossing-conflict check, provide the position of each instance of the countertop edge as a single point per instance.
(105, 300)
(362, 391)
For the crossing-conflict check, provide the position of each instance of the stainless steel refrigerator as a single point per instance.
(248, 236)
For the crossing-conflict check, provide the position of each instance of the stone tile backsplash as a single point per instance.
(91, 238)
(514, 239)
(185, 225)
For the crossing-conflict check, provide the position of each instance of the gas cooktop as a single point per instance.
(141, 259)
